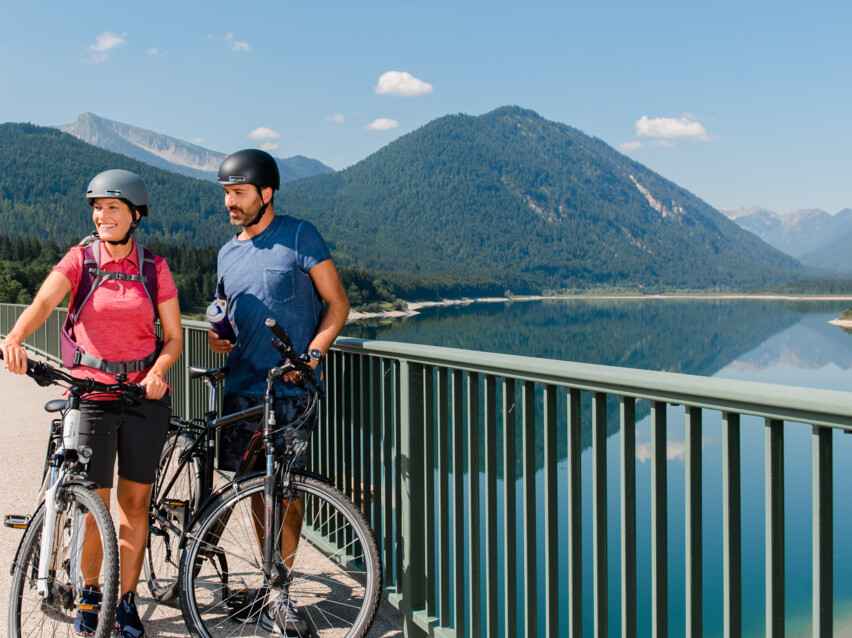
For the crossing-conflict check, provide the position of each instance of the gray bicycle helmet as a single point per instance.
(120, 184)
(250, 166)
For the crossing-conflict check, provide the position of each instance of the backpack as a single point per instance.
(92, 277)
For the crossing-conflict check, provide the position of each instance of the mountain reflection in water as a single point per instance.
(692, 336)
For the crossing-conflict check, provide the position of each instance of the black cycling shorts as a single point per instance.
(234, 440)
(133, 433)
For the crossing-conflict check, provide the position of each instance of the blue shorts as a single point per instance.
(234, 440)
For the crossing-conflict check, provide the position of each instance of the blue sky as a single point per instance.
(742, 103)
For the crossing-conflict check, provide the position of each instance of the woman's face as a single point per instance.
(112, 218)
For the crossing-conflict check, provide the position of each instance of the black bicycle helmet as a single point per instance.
(120, 184)
(250, 166)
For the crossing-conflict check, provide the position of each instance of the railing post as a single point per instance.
(774, 446)
(694, 537)
(412, 536)
(599, 518)
(823, 534)
(732, 525)
(659, 523)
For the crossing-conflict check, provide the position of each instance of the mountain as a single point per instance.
(171, 153)
(532, 204)
(43, 178)
(804, 234)
(466, 204)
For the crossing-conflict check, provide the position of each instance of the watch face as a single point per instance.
(315, 354)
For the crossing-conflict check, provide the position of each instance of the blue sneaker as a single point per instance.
(127, 621)
(86, 622)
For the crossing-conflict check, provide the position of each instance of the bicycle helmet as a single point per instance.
(125, 186)
(120, 184)
(250, 166)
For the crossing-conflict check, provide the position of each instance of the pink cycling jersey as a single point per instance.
(117, 322)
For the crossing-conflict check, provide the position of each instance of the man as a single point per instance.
(279, 267)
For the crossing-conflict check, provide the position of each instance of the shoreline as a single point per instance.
(414, 307)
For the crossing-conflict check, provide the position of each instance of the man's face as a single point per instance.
(243, 203)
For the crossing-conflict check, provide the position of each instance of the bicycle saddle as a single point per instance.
(56, 405)
(214, 375)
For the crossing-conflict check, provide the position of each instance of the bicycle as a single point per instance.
(230, 566)
(51, 565)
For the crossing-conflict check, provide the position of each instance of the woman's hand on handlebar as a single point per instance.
(14, 356)
(154, 384)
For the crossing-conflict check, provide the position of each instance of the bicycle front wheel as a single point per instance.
(174, 499)
(334, 580)
(84, 547)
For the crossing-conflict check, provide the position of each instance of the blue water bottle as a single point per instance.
(217, 315)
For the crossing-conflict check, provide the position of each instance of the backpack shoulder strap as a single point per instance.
(148, 273)
(88, 283)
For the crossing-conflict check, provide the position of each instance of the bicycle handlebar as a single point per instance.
(287, 351)
(45, 374)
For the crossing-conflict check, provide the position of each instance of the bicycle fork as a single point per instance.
(56, 479)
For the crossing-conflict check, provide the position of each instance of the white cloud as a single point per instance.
(153, 51)
(268, 146)
(381, 124)
(402, 84)
(676, 128)
(197, 140)
(104, 43)
(263, 133)
(236, 45)
(630, 146)
(336, 117)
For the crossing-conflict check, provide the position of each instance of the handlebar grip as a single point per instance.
(280, 334)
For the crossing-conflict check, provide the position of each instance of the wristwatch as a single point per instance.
(314, 354)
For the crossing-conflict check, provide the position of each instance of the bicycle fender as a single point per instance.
(86, 483)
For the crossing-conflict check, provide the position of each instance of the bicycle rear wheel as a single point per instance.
(84, 518)
(174, 499)
(335, 580)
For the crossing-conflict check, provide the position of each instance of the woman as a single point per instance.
(113, 331)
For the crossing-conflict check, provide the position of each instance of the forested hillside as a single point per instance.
(532, 204)
(43, 179)
(464, 206)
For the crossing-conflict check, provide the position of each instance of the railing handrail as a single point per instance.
(831, 408)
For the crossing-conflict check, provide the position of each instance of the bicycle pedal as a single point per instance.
(17, 521)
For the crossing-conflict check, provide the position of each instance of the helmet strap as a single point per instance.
(133, 226)
(261, 212)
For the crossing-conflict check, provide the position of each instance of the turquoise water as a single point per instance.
(789, 343)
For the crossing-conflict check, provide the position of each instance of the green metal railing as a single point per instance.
(455, 458)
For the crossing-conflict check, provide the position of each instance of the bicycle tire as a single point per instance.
(31, 615)
(173, 502)
(335, 579)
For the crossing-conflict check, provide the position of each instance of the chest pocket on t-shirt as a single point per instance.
(278, 286)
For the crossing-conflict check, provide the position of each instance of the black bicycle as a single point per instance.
(238, 559)
(70, 539)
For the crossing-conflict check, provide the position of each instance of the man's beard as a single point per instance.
(247, 216)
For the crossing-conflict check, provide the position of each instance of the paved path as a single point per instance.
(24, 428)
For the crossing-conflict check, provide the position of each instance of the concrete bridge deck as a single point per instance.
(23, 424)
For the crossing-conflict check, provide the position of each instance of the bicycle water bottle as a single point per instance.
(217, 315)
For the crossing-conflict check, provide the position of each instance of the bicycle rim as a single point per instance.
(335, 580)
(85, 517)
(173, 501)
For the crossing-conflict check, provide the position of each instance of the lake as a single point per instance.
(771, 341)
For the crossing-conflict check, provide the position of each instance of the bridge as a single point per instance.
(474, 468)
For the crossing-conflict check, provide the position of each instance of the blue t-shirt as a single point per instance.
(267, 276)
